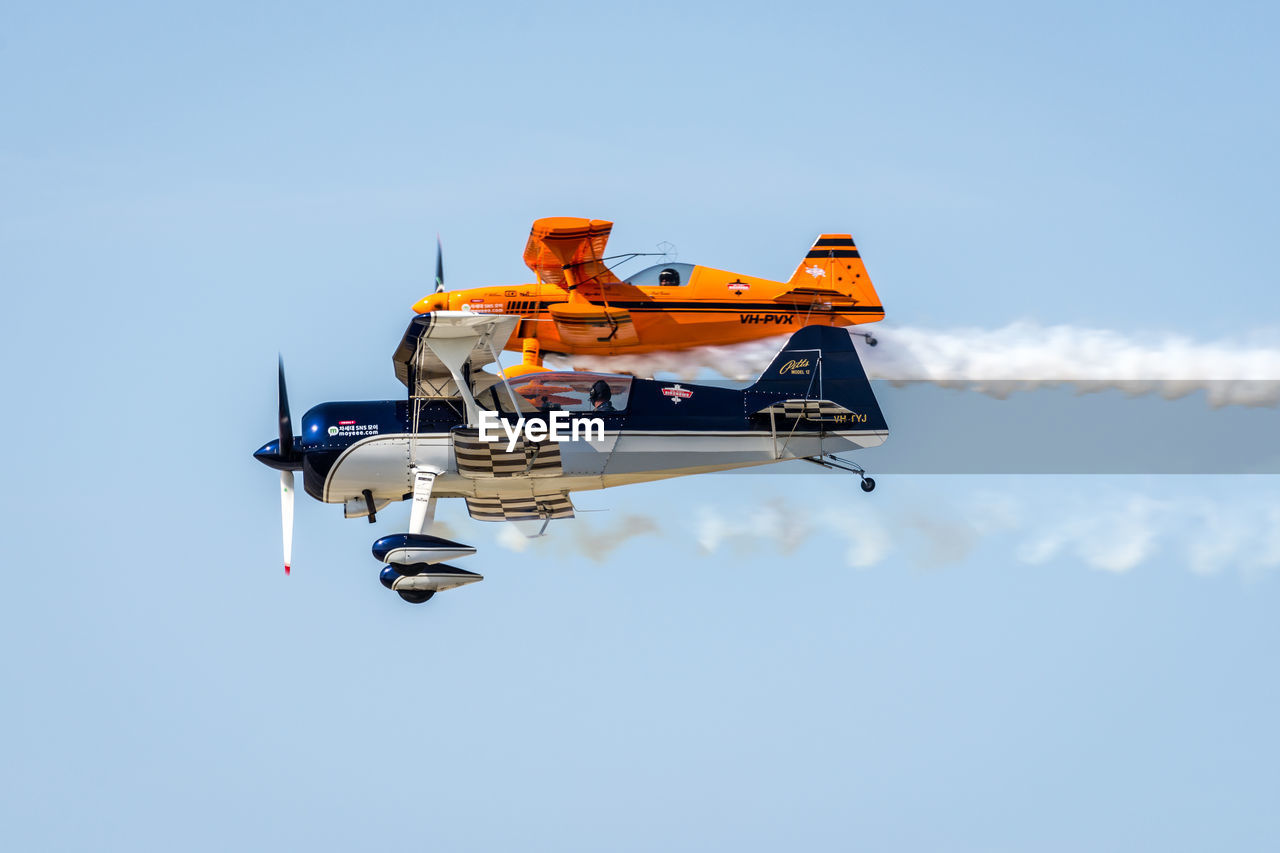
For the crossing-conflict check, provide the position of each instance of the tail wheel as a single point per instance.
(868, 484)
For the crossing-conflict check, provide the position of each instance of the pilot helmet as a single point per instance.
(600, 392)
(669, 277)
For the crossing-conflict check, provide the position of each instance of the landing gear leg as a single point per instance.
(835, 463)
(424, 506)
(413, 560)
(531, 352)
(871, 341)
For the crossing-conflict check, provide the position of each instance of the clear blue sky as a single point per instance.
(1047, 663)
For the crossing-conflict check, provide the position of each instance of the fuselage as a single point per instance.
(710, 307)
(661, 430)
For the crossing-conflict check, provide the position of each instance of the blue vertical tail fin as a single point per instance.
(821, 363)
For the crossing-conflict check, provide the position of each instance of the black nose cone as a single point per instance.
(269, 455)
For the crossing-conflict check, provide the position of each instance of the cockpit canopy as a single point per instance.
(649, 277)
(567, 392)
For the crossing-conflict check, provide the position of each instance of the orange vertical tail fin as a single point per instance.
(834, 262)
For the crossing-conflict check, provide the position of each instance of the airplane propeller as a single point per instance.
(286, 422)
(286, 516)
(286, 476)
(439, 266)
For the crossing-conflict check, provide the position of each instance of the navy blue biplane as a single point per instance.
(516, 449)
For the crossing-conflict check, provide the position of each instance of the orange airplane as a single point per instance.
(578, 306)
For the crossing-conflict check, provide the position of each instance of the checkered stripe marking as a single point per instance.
(520, 509)
(478, 458)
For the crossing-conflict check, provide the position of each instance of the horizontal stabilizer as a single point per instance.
(810, 410)
(817, 298)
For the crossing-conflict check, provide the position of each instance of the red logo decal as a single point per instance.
(676, 393)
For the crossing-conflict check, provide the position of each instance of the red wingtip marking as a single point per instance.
(286, 568)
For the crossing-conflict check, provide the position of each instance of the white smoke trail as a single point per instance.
(1115, 540)
(1017, 357)
(786, 525)
(581, 536)
(1113, 530)
(596, 545)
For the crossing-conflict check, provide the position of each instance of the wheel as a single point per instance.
(417, 596)
(871, 341)
(868, 484)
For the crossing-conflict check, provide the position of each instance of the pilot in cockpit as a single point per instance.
(668, 278)
(601, 397)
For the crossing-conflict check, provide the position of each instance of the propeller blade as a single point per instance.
(439, 266)
(286, 516)
(286, 423)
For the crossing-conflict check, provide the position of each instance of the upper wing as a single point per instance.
(439, 343)
(568, 251)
